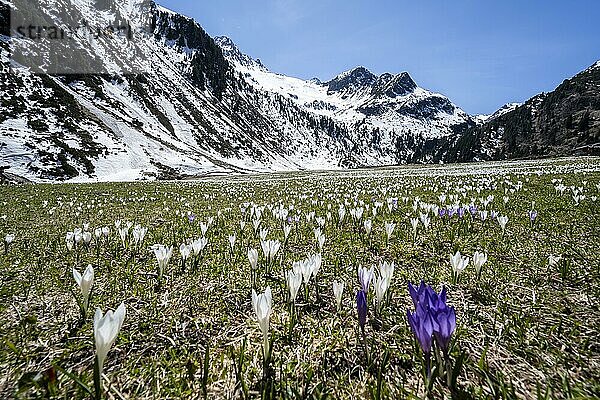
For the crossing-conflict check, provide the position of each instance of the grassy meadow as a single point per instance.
(527, 320)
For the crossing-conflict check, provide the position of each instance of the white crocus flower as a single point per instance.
(87, 237)
(253, 258)
(70, 240)
(262, 304)
(381, 285)
(263, 234)
(321, 241)
(294, 281)
(478, 260)
(502, 221)
(106, 330)
(387, 270)
(198, 245)
(231, 239)
(256, 225)
(338, 290)
(163, 255)
(483, 214)
(368, 224)
(365, 276)
(138, 234)
(304, 268)
(426, 221)
(270, 248)
(123, 232)
(314, 263)
(286, 231)
(8, 239)
(203, 228)
(185, 250)
(85, 283)
(553, 260)
(78, 235)
(414, 222)
(389, 230)
(458, 263)
(341, 214)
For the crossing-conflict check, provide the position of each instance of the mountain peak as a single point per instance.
(352, 80)
(234, 55)
(398, 85)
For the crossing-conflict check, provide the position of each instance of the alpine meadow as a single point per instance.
(178, 221)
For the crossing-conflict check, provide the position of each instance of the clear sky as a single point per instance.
(482, 54)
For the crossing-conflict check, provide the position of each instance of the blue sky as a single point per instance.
(482, 54)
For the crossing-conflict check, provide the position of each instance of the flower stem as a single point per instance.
(97, 379)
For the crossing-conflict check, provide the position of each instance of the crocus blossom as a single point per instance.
(364, 277)
(478, 260)
(294, 281)
(361, 309)
(458, 263)
(253, 258)
(163, 255)
(106, 330)
(85, 283)
(262, 304)
(338, 290)
(432, 318)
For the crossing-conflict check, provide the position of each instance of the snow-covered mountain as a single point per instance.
(392, 104)
(201, 106)
(508, 107)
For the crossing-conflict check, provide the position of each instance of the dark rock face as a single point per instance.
(232, 53)
(209, 69)
(4, 19)
(394, 86)
(563, 122)
(428, 108)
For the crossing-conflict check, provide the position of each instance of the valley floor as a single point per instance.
(526, 322)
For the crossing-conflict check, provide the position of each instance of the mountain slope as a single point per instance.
(199, 108)
(563, 122)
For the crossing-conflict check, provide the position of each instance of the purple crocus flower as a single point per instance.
(436, 302)
(419, 294)
(431, 318)
(444, 325)
(532, 215)
(460, 212)
(191, 218)
(361, 308)
(451, 212)
(421, 324)
(473, 210)
(494, 215)
(442, 212)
